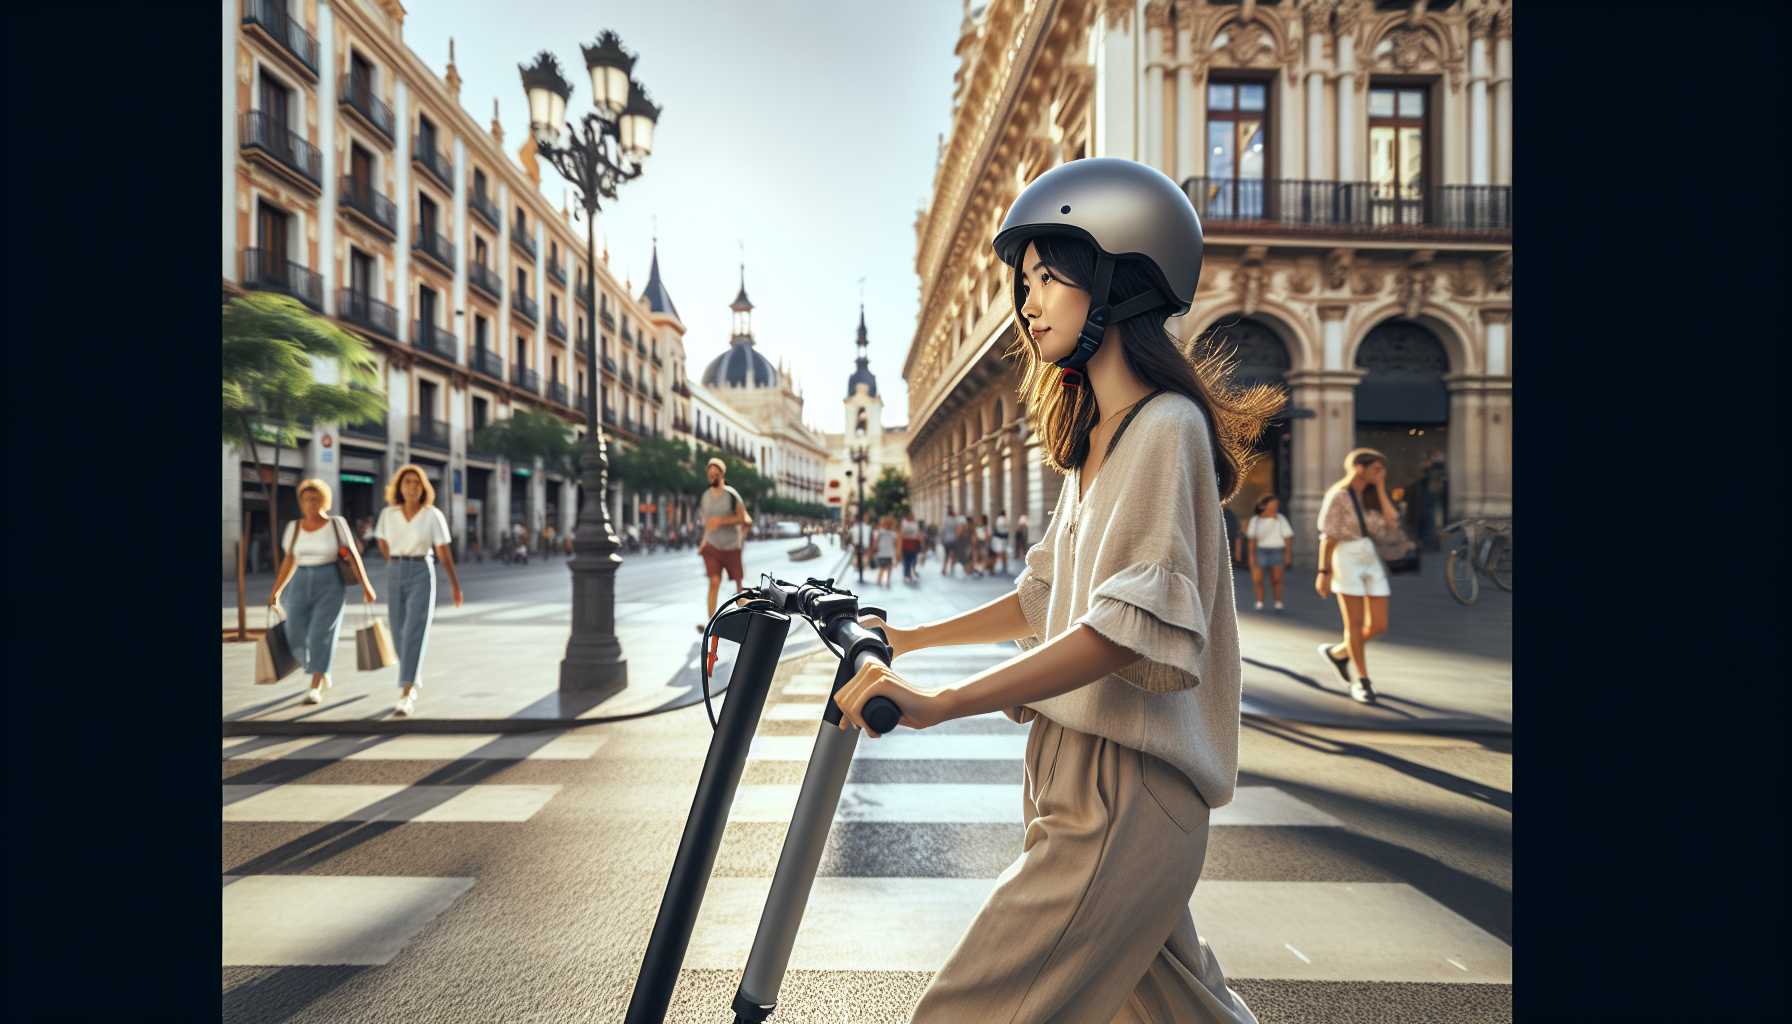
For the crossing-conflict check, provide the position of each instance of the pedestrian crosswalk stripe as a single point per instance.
(904, 745)
(574, 746)
(921, 804)
(326, 920)
(1345, 931)
(368, 802)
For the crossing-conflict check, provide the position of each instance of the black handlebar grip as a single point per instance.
(881, 714)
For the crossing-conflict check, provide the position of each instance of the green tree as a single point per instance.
(530, 434)
(889, 495)
(271, 344)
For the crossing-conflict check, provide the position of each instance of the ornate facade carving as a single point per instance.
(1502, 21)
(1412, 284)
(1479, 16)
(1350, 16)
(1157, 16)
(1499, 272)
(1302, 280)
(1337, 268)
(1316, 16)
(1119, 14)
(1461, 280)
(1408, 46)
(1249, 279)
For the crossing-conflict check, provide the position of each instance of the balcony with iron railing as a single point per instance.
(656, 359)
(524, 306)
(580, 288)
(433, 160)
(268, 271)
(486, 207)
(372, 208)
(486, 280)
(436, 247)
(679, 387)
(522, 239)
(272, 19)
(609, 364)
(557, 392)
(367, 312)
(607, 317)
(641, 348)
(609, 416)
(556, 327)
(627, 377)
(427, 432)
(432, 339)
(557, 271)
(374, 430)
(1352, 208)
(357, 95)
(525, 378)
(489, 363)
(274, 141)
(659, 397)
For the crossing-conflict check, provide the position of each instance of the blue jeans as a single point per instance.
(313, 602)
(412, 605)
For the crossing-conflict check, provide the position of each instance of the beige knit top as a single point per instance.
(1146, 567)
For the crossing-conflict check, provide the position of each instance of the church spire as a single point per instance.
(743, 309)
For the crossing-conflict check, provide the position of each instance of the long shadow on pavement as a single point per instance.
(1422, 773)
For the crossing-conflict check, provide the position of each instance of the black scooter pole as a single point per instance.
(761, 632)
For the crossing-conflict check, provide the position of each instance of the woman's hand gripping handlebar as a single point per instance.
(875, 699)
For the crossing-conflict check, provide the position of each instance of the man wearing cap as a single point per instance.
(724, 520)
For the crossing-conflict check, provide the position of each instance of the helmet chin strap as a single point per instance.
(1100, 316)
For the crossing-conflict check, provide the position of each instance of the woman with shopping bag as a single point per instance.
(321, 563)
(413, 533)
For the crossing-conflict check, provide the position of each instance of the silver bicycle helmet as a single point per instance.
(1125, 209)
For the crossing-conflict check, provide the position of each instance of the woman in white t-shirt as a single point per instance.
(413, 533)
(313, 543)
(1267, 535)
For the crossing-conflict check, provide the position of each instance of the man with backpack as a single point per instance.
(725, 520)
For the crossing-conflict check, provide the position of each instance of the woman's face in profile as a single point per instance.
(1054, 310)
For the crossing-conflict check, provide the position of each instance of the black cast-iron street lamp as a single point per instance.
(860, 455)
(606, 149)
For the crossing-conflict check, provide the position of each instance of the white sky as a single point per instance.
(805, 129)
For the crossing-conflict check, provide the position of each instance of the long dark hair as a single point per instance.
(1063, 417)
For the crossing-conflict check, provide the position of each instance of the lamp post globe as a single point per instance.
(605, 149)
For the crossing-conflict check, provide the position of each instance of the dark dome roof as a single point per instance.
(862, 375)
(741, 366)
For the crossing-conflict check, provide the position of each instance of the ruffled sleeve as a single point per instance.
(1034, 585)
(1152, 608)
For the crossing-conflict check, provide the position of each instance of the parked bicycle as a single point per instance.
(1483, 547)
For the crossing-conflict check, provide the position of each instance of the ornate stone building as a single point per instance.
(354, 180)
(1351, 163)
(787, 451)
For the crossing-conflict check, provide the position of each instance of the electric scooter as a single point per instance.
(760, 624)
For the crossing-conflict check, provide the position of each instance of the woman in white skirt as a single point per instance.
(1349, 566)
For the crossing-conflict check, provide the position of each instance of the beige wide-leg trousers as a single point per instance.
(1091, 924)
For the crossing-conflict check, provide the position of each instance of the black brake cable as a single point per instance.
(703, 651)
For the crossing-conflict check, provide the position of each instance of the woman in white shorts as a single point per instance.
(1349, 566)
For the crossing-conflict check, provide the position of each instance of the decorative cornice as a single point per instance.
(1502, 21)
(1316, 16)
(1119, 14)
(1157, 15)
(1349, 16)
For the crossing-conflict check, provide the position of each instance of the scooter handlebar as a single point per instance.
(880, 713)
